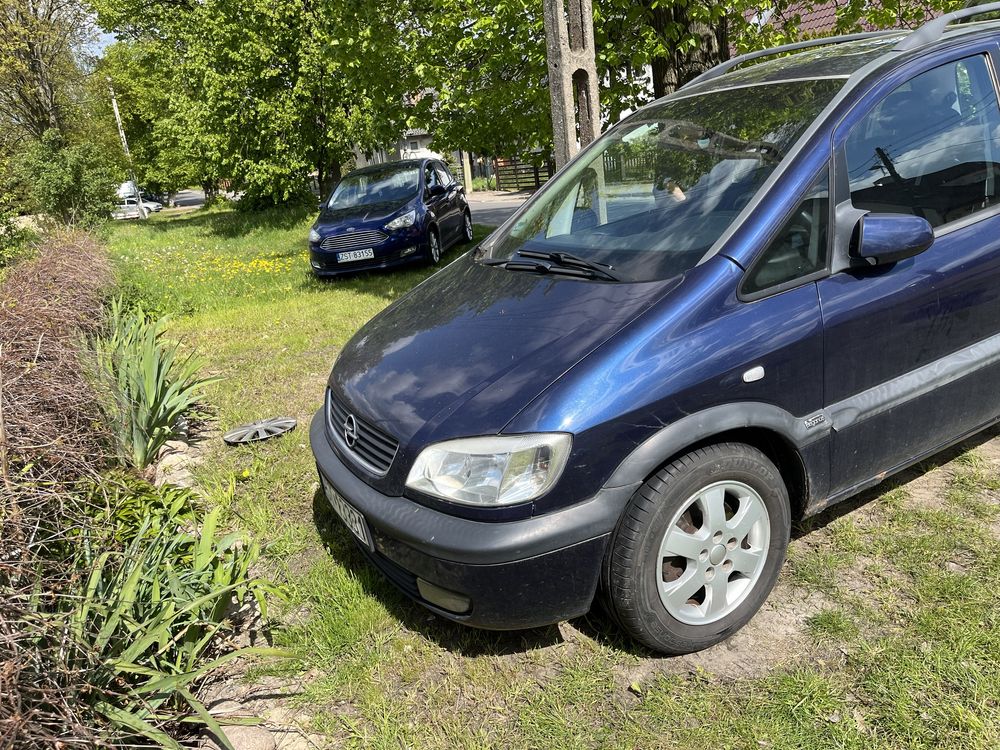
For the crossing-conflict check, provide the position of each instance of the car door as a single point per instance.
(910, 349)
(438, 204)
(451, 202)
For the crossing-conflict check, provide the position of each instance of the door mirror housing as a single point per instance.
(887, 238)
(436, 190)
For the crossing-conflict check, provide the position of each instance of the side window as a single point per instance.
(430, 177)
(930, 148)
(443, 174)
(800, 247)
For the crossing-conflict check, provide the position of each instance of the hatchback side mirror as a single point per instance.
(435, 190)
(887, 238)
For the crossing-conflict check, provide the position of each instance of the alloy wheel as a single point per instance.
(468, 227)
(435, 247)
(713, 552)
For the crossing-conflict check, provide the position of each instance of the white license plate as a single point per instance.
(351, 518)
(366, 254)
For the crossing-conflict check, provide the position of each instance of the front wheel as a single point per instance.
(434, 247)
(699, 548)
(467, 227)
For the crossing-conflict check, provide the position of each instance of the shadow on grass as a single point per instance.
(454, 637)
(231, 223)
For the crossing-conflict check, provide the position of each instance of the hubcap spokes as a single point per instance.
(713, 552)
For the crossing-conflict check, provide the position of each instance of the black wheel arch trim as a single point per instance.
(649, 455)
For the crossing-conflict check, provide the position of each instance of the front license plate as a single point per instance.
(351, 518)
(366, 254)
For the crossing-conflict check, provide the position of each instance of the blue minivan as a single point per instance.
(747, 301)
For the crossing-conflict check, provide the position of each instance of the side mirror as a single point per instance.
(436, 190)
(886, 238)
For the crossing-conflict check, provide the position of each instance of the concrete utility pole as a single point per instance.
(128, 154)
(569, 42)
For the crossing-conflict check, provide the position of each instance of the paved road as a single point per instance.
(189, 198)
(492, 208)
(488, 208)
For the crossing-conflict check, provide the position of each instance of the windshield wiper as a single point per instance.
(577, 271)
(568, 260)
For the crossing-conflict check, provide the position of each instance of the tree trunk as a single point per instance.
(673, 70)
(328, 174)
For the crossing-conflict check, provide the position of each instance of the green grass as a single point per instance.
(903, 650)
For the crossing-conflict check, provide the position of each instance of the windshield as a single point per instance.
(655, 193)
(390, 185)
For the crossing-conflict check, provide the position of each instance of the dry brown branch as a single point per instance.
(49, 439)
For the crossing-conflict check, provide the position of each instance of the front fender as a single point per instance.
(694, 428)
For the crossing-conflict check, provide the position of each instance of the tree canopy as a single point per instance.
(267, 95)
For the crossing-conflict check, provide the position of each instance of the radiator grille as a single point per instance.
(353, 240)
(373, 448)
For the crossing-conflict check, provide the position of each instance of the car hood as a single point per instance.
(466, 350)
(370, 212)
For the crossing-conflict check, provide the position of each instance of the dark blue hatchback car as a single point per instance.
(746, 302)
(388, 215)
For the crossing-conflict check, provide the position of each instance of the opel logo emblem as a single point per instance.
(350, 430)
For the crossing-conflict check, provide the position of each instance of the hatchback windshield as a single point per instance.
(655, 193)
(390, 185)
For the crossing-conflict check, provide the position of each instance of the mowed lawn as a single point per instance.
(884, 631)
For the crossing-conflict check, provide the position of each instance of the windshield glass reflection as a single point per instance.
(657, 192)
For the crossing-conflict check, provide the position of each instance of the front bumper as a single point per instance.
(518, 574)
(389, 254)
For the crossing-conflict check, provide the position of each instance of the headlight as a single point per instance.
(491, 471)
(314, 236)
(403, 221)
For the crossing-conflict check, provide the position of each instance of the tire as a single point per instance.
(433, 247)
(467, 227)
(691, 588)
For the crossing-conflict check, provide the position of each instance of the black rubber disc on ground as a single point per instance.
(255, 432)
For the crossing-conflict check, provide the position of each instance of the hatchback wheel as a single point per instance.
(467, 227)
(434, 244)
(699, 548)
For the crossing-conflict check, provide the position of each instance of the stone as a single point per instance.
(244, 738)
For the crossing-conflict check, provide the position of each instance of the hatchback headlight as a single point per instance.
(491, 471)
(403, 220)
(314, 236)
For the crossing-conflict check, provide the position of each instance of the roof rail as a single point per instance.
(933, 29)
(724, 67)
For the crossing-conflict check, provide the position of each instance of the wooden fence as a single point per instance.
(514, 174)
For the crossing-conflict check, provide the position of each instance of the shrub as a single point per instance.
(147, 382)
(74, 184)
(12, 236)
(483, 183)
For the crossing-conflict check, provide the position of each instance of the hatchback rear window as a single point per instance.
(656, 192)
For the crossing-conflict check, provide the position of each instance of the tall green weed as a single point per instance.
(160, 581)
(148, 383)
